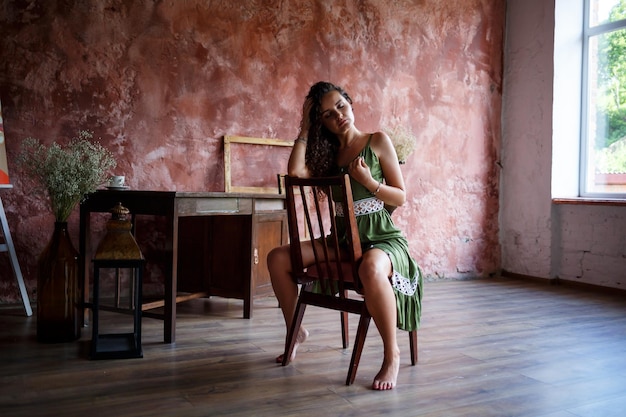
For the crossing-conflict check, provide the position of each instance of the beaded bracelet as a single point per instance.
(377, 188)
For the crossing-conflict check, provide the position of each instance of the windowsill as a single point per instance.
(590, 201)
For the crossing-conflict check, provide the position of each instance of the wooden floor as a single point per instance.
(496, 347)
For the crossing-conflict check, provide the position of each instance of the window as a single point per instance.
(603, 151)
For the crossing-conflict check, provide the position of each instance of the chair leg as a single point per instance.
(359, 341)
(345, 337)
(413, 346)
(292, 334)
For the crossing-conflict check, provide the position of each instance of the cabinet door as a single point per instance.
(230, 243)
(270, 231)
(214, 255)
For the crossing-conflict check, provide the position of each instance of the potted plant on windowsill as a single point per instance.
(65, 174)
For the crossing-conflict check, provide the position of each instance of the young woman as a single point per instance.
(329, 144)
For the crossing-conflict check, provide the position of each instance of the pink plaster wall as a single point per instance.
(161, 82)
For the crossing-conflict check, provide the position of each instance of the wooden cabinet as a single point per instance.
(225, 255)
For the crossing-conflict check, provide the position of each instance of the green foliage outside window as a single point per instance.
(610, 144)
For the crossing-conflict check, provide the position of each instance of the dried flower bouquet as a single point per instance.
(403, 141)
(67, 173)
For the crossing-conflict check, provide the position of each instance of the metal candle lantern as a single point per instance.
(117, 251)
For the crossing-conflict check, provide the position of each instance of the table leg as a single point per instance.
(84, 247)
(171, 282)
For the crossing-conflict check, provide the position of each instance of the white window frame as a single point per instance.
(566, 98)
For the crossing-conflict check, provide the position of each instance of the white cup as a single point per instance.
(116, 181)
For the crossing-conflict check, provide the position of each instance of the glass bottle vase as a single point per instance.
(57, 289)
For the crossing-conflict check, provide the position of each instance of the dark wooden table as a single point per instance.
(222, 239)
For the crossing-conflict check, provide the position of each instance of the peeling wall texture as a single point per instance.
(160, 83)
(590, 245)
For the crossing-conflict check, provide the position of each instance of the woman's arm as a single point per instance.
(392, 191)
(297, 165)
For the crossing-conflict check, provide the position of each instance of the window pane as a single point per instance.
(606, 114)
(605, 11)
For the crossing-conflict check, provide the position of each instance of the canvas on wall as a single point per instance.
(4, 167)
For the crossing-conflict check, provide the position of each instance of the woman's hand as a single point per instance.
(360, 171)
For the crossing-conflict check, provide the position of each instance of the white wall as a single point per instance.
(525, 198)
(582, 243)
(590, 244)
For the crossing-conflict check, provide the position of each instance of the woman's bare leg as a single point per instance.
(286, 291)
(381, 304)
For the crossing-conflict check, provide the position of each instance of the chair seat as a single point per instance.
(331, 271)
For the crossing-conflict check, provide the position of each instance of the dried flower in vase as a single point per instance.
(67, 173)
(403, 141)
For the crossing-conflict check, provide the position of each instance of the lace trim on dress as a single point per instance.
(403, 284)
(362, 207)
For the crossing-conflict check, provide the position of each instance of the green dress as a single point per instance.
(377, 230)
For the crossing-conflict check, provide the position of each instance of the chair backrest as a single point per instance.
(311, 210)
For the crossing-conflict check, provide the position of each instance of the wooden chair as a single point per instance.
(333, 277)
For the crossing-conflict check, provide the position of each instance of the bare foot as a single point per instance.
(388, 374)
(303, 334)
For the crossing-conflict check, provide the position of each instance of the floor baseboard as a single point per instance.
(565, 282)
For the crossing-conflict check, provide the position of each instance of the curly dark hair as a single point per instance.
(322, 145)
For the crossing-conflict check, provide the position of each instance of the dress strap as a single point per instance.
(367, 145)
(366, 148)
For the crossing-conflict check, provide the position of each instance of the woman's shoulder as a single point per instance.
(379, 141)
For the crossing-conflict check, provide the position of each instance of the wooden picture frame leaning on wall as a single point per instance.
(228, 186)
